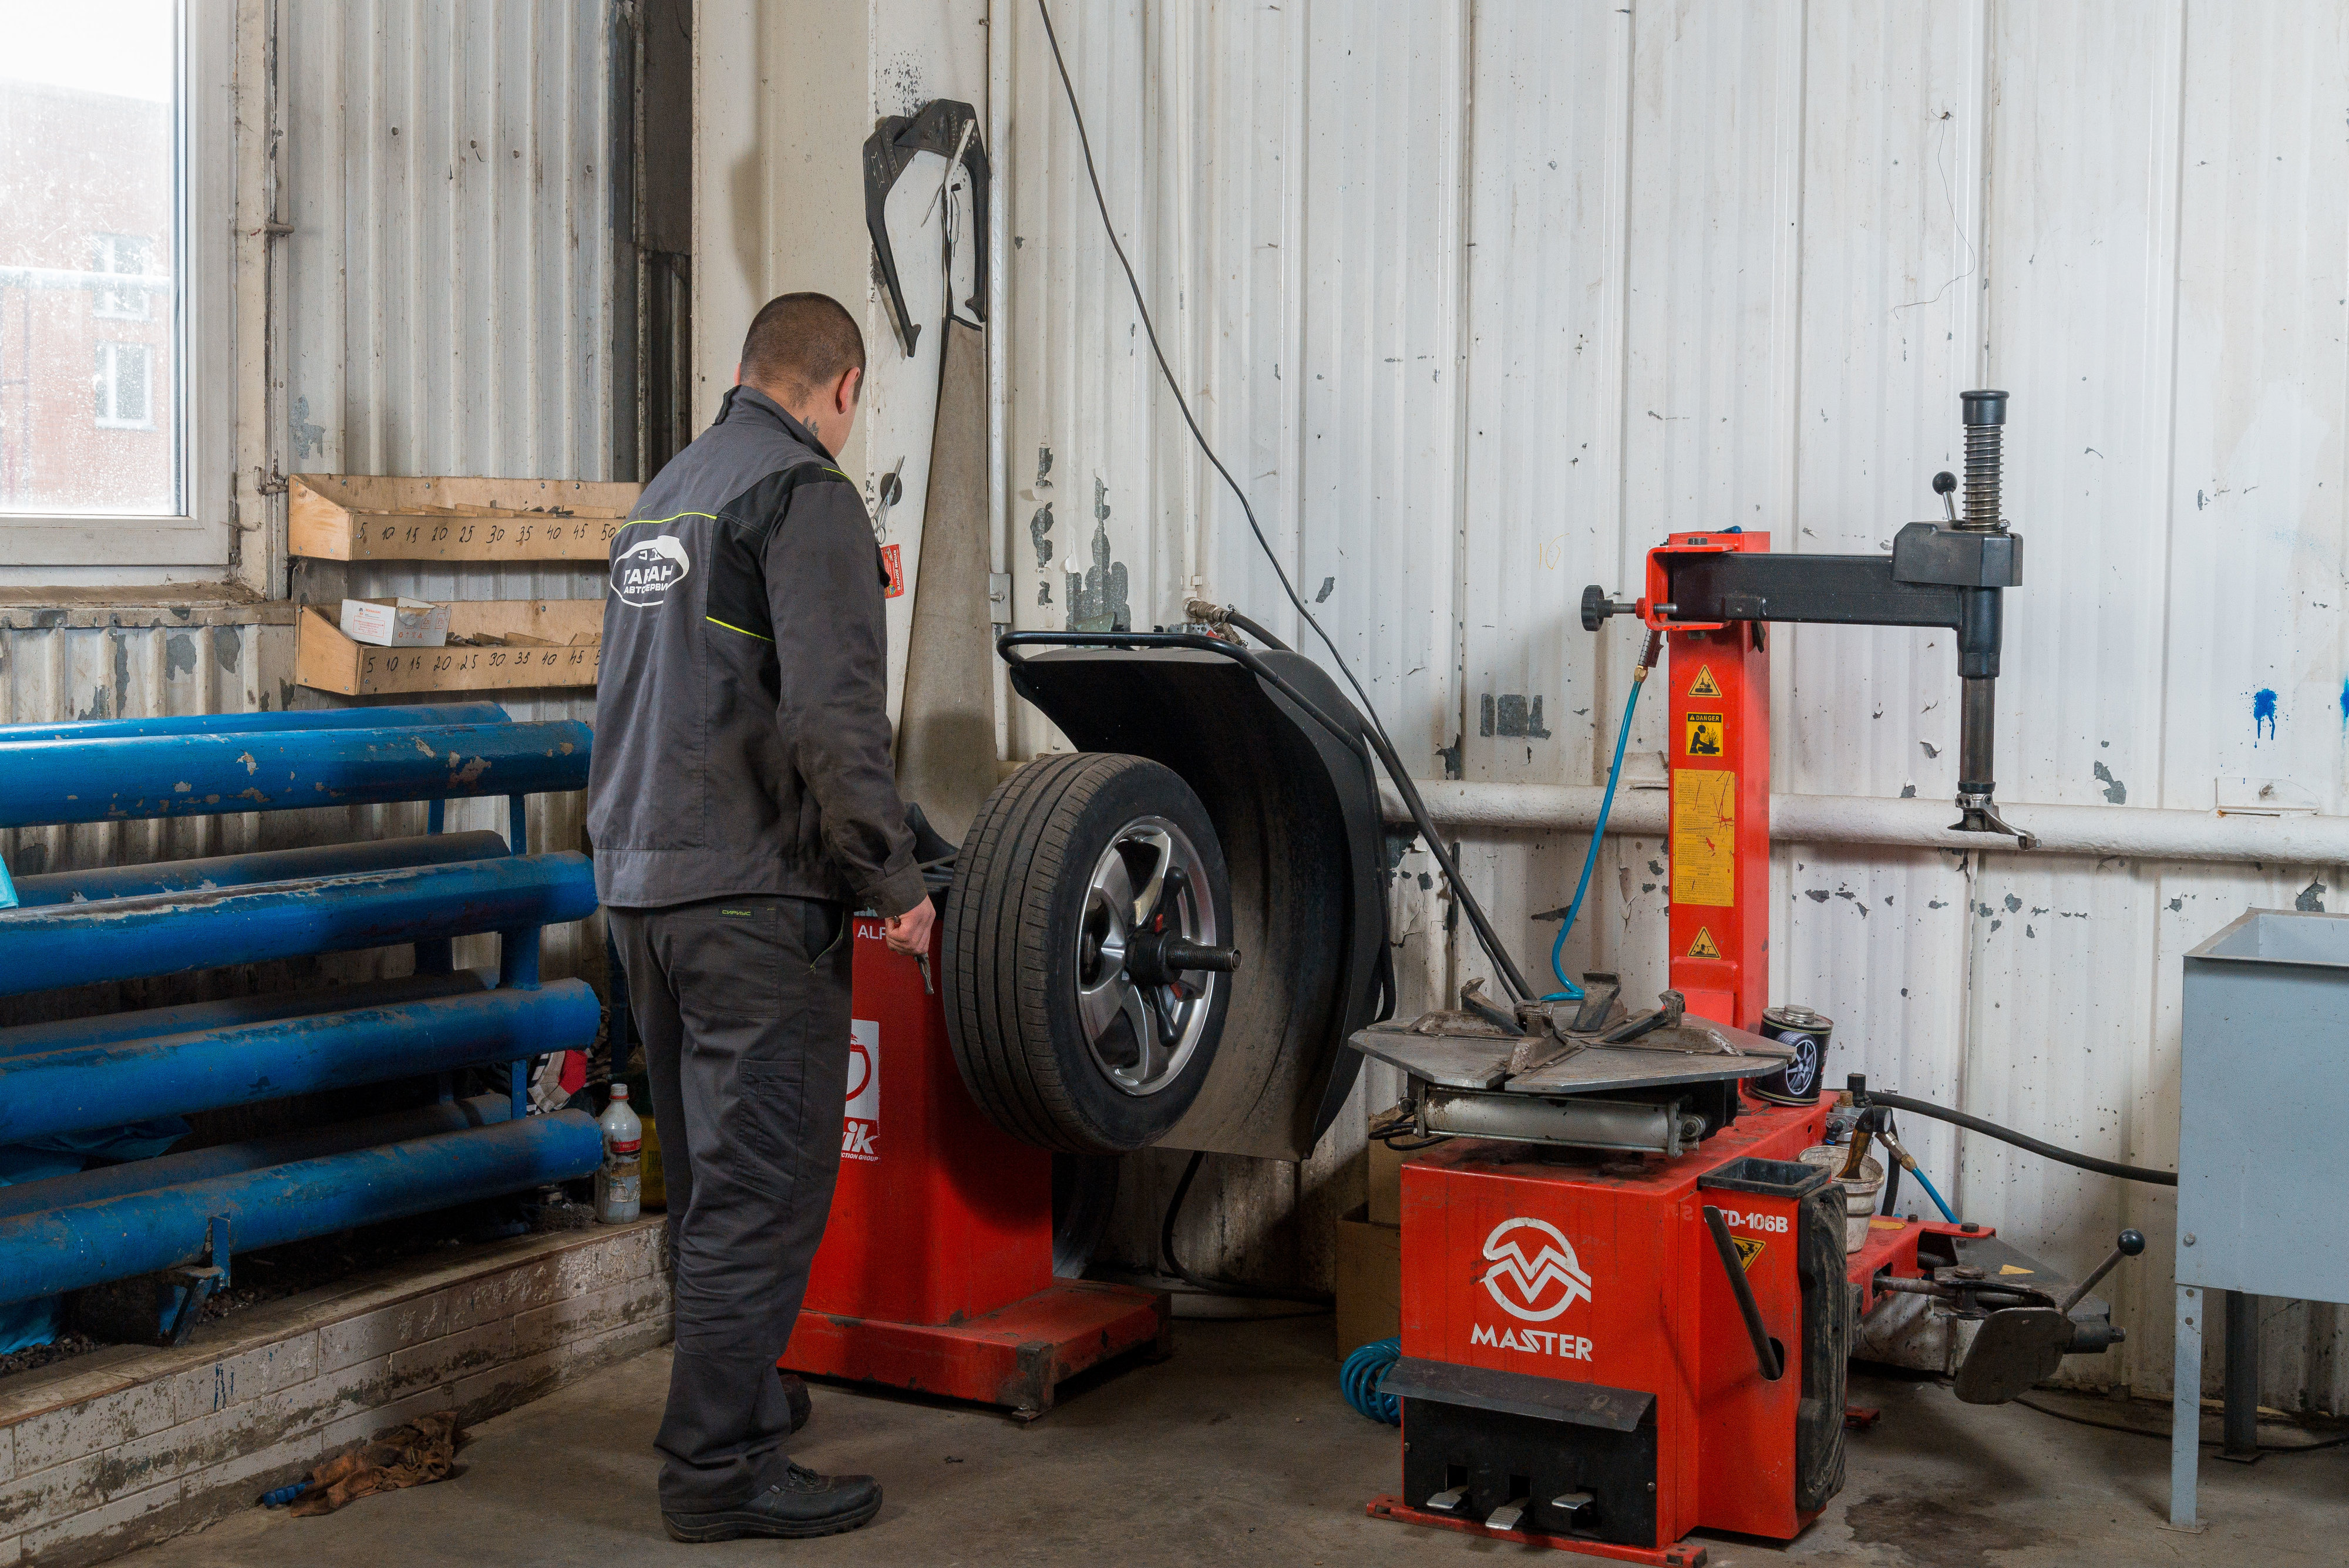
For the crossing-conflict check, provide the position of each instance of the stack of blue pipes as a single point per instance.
(181, 1217)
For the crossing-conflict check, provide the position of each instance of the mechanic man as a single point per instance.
(741, 803)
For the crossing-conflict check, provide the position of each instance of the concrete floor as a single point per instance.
(1240, 1451)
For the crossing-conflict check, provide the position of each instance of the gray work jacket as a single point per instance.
(741, 736)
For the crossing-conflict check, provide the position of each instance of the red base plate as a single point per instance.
(1014, 1355)
(1681, 1554)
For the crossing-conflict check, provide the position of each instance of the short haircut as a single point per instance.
(799, 344)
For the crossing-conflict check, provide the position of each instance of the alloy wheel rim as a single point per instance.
(1150, 881)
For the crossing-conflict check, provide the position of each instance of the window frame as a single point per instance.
(203, 392)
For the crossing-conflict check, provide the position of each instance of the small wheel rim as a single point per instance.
(1142, 1037)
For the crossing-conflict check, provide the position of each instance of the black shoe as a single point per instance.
(795, 1394)
(802, 1504)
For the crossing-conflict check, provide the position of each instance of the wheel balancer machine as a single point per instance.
(1628, 1315)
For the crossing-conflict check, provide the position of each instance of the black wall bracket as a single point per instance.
(939, 127)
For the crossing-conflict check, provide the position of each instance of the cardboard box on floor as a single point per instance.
(1370, 1280)
(1386, 1184)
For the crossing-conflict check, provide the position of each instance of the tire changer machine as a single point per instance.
(1627, 1303)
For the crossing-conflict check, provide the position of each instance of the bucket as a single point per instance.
(1859, 1193)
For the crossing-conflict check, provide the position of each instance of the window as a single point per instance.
(122, 403)
(120, 253)
(116, 204)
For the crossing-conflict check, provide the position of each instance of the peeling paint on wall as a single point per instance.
(1512, 714)
(309, 437)
(1039, 530)
(1097, 600)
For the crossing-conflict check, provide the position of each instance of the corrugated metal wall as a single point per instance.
(1480, 298)
(447, 309)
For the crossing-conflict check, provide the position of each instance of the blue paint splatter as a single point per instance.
(2344, 705)
(2264, 711)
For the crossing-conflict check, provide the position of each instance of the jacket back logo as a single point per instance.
(642, 575)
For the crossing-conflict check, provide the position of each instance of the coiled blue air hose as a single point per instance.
(1359, 1380)
(1567, 990)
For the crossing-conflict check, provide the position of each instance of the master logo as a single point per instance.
(643, 574)
(1524, 1286)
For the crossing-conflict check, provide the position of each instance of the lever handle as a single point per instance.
(1597, 606)
(1765, 1355)
(1944, 483)
(2128, 1244)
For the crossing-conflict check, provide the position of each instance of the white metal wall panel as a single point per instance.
(449, 302)
(1541, 477)
(1377, 385)
(1198, 130)
(2081, 256)
(1688, 265)
(2255, 499)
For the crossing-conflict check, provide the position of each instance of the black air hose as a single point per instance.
(1864, 1095)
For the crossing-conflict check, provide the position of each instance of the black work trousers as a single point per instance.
(743, 1007)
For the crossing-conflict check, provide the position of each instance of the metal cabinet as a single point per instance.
(2263, 1096)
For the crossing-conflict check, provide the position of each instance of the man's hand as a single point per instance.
(910, 932)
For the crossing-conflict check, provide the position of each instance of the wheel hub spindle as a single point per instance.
(1157, 957)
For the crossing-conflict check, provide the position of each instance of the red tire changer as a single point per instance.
(1627, 1303)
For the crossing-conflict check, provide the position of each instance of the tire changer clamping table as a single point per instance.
(1627, 1303)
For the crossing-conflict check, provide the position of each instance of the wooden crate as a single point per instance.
(367, 518)
(546, 642)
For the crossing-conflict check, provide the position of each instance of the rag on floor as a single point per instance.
(417, 1454)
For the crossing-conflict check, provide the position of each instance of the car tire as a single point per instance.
(1063, 1028)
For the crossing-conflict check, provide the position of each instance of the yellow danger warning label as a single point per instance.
(1706, 734)
(1705, 837)
(1748, 1249)
(1704, 946)
(2011, 1269)
(1705, 685)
